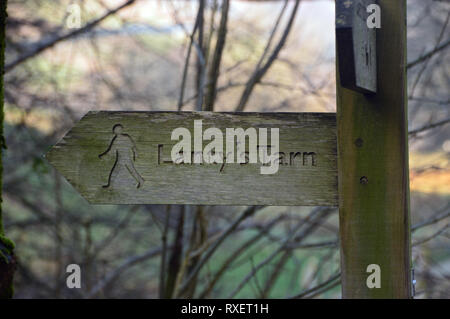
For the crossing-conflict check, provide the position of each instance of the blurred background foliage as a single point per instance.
(134, 59)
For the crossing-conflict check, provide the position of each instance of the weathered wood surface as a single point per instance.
(356, 46)
(373, 170)
(297, 182)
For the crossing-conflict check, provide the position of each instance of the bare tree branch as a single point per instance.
(162, 272)
(201, 59)
(236, 254)
(260, 72)
(436, 234)
(42, 47)
(428, 55)
(186, 63)
(432, 220)
(247, 213)
(214, 69)
(424, 66)
(113, 274)
(429, 127)
(332, 282)
(315, 217)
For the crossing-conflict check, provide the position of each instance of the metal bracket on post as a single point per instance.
(413, 284)
(356, 46)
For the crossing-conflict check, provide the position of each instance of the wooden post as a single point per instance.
(373, 169)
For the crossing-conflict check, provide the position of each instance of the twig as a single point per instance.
(425, 100)
(429, 127)
(201, 60)
(186, 63)
(319, 288)
(431, 221)
(257, 284)
(76, 32)
(115, 231)
(321, 264)
(424, 240)
(112, 275)
(236, 254)
(162, 272)
(215, 64)
(424, 66)
(322, 244)
(175, 259)
(247, 213)
(272, 34)
(315, 216)
(428, 55)
(260, 72)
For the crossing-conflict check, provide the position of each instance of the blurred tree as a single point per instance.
(7, 258)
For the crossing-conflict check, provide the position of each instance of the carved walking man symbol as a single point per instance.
(124, 149)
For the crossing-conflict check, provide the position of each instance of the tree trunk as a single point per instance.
(7, 258)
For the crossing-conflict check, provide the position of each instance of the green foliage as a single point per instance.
(6, 248)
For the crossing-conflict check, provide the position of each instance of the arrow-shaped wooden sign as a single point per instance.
(136, 158)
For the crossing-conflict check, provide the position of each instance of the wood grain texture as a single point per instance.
(373, 170)
(356, 46)
(300, 183)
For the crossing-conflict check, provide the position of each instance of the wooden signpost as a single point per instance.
(125, 158)
(373, 167)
